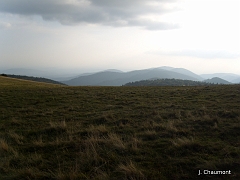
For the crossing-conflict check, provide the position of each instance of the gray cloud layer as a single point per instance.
(4, 25)
(105, 12)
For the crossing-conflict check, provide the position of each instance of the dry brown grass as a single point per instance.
(184, 141)
(99, 130)
(134, 143)
(62, 124)
(116, 141)
(131, 171)
(39, 142)
(170, 126)
(16, 137)
(4, 146)
(142, 133)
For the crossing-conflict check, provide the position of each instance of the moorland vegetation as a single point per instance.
(60, 132)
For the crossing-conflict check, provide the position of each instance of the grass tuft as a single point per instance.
(180, 142)
(4, 146)
(116, 141)
(130, 171)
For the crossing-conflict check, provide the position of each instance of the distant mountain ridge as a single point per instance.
(115, 77)
(217, 80)
(187, 72)
(110, 78)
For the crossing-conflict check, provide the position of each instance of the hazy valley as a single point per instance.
(113, 77)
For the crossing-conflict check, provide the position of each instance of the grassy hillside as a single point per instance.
(31, 78)
(58, 132)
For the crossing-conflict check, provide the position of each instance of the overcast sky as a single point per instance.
(89, 35)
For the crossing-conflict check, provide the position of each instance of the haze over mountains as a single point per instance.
(31, 78)
(118, 78)
(51, 73)
(226, 76)
(114, 77)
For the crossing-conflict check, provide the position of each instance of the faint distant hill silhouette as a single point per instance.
(236, 80)
(217, 80)
(230, 77)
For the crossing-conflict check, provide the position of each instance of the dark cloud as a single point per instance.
(105, 12)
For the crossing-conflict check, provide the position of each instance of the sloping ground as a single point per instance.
(31, 78)
(57, 132)
(19, 82)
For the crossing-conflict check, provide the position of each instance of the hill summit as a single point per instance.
(217, 80)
